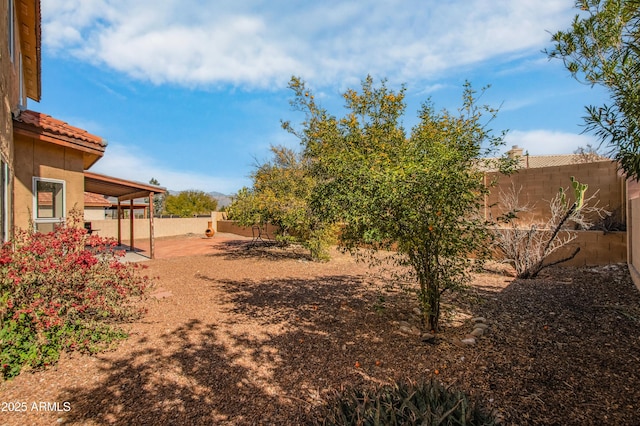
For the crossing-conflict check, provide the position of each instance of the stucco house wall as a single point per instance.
(37, 158)
(9, 102)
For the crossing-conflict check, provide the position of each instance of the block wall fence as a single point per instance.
(538, 186)
(633, 233)
(162, 227)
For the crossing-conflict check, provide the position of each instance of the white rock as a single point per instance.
(469, 340)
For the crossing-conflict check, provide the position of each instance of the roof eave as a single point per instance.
(66, 141)
(29, 20)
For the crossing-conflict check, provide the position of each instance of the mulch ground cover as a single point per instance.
(263, 336)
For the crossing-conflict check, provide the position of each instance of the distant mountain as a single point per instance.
(223, 200)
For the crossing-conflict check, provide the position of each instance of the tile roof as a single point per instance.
(95, 200)
(58, 127)
(90, 199)
(540, 161)
(537, 161)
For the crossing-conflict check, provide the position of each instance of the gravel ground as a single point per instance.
(261, 336)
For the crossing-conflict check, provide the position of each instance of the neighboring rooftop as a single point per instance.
(95, 200)
(527, 161)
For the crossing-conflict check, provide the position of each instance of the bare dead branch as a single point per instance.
(526, 244)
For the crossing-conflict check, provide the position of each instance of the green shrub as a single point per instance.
(404, 404)
(63, 290)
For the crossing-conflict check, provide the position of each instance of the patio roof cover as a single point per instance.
(120, 188)
(124, 190)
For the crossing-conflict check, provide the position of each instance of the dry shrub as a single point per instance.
(528, 245)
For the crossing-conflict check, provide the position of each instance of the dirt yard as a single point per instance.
(261, 336)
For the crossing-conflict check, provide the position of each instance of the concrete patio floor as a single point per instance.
(182, 245)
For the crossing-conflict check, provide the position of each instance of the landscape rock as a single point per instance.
(477, 332)
(428, 337)
(479, 319)
(469, 340)
(406, 330)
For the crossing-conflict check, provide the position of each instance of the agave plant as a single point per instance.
(404, 403)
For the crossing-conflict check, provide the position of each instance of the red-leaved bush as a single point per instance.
(63, 290)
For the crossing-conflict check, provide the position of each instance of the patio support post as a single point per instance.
(119, 223)
(131, 224)
(151, 238)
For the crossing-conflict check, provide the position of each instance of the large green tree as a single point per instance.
(602, 48)
(417, 194)
(190, 203)
(281, 194)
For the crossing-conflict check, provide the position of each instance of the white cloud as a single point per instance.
(132, 164)
(549, 142)
(261, 44)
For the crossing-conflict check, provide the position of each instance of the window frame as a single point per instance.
(37, 220)
(4, 201)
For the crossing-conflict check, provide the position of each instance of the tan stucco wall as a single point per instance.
(6, 132)
(43, 159)
(596, 248)
(540, 185)
(633, 233)
(231, 227)
(9, 100)
(94, 213)
(9, 84)
(164, 227)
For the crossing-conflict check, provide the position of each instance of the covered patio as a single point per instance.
(125, 191)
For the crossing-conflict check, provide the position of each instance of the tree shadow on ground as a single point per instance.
(563, 348)
(191, 380)
(243, 249)
(327, 325)
(340, 331)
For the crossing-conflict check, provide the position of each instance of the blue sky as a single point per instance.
(192, 92)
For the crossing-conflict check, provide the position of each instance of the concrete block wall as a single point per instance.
(164, 227)
(231, 227)
(540, 185)
(596, 248)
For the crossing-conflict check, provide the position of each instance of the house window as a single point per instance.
(48, 203)
(4, 201)
(12, 31)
